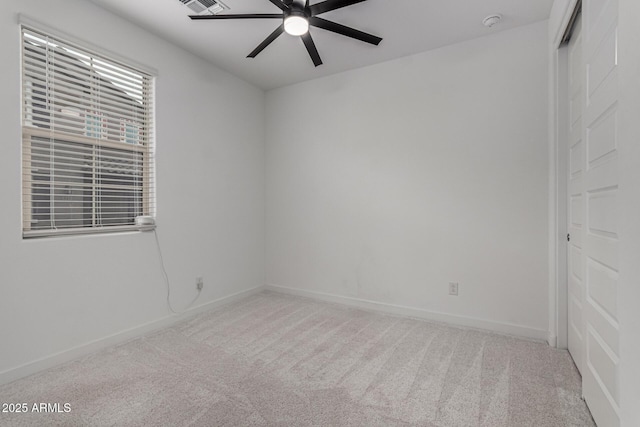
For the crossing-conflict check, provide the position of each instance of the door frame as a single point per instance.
(559, 20)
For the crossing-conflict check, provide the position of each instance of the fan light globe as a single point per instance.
(296, 25)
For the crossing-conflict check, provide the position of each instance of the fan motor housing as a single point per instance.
(295, 9)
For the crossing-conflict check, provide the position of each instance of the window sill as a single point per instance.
(35, 234)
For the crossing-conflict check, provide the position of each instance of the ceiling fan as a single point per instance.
(297, 16)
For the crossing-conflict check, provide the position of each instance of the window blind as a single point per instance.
(87, 125)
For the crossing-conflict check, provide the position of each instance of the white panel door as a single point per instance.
(576, 202)
(599, 220)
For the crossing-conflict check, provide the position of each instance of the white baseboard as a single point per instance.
(418, 313)
(118, 338)
(552, 339)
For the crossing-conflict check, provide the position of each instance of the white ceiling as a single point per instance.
(406, 26)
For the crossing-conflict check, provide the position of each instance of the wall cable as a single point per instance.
(167, 282)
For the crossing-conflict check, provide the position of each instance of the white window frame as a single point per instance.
(116, 154)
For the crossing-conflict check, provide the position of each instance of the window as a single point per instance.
(87, 146)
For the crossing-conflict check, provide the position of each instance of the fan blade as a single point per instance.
(345, 31)
(311, 48)
(329, 5)
(247, 16)
(276, 33)
(280, 4)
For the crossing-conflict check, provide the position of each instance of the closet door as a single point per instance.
(599, 229)
(575, 203)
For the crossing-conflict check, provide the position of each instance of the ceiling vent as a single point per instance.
(202, 7)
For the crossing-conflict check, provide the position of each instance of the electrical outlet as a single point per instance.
(199, 283)
(453, 288)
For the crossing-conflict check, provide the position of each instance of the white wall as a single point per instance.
(629, 199)
(62, 293)
(388, 182)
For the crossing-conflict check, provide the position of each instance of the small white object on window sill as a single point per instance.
(146, 223)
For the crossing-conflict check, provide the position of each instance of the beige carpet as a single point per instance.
(278, 360)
